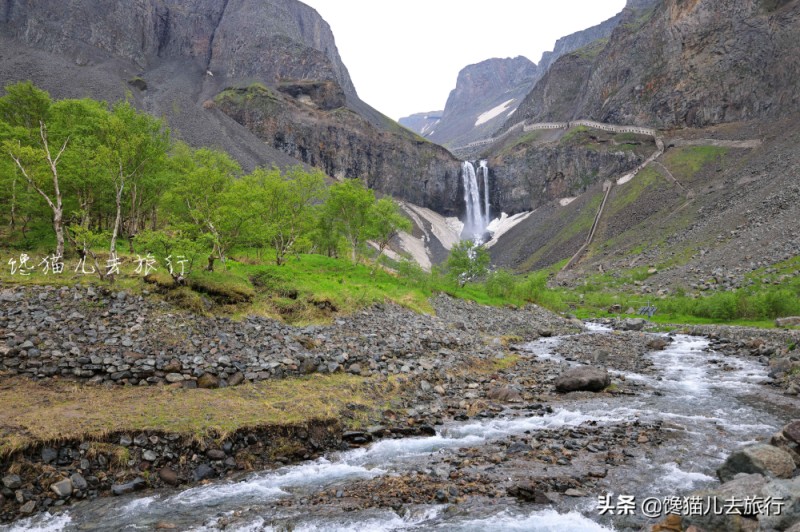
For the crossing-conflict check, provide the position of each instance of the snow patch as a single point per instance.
(565, 201)
(624, 179)
(496, 111)
(416, 248)
(500, 226)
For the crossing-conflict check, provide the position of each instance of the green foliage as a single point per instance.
(466, 262)
(348, 209)
(501, 283)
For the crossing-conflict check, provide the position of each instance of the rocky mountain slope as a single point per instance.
(422, 123)
(175, 57)
(677, 64)
(717, 204)
(488, 93)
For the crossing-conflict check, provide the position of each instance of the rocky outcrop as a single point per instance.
(527, 174)
(285, 38)
(345, 145)
(592, 379)
(679, 64)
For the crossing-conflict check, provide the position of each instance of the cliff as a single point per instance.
(680, 64)
(173, 57)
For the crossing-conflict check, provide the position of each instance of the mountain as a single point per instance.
(422, 123)
(718, 80)
(174, 58)
(485, 95)
(678, 64)
(488, 93)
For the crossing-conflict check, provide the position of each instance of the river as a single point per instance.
(703, 404)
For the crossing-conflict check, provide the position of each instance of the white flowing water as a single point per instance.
(487, 215)
(475, 223)
(706, 410)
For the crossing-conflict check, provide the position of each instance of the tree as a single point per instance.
(26, 108)
(348, 208)
(466, 262)
(385, 222)
(282, 204)
(133, 150)
(201, 196)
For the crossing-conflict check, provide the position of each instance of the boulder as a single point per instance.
(792, 321)
(62, 488)
(780, 440)
(168, 476)
(504, 394)
(207, 381)
(580, 378)
(761, 458)
(12, 482)
(529, 493)
(78, 482)
(632, 324)
(743, 486)
(129, 487)
(788, 493)
(236, 379)
(203, 472)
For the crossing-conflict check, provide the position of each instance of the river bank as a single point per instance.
(474, 386)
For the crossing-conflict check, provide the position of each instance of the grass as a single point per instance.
(687, 161)
(36, 412)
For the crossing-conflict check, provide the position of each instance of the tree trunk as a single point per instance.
(211, 259)
(118, 218)
(58, 227)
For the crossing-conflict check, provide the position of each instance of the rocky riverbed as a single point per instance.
(479, 420)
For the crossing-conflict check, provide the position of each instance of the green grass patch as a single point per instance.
(687, 161)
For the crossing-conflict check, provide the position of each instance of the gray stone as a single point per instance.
(633, 324)
(12, 482)
(62, 488)
(216, 454)
(203, 472)
(425, 386)
(788, 492)
(174, 377)
(78, 482)
(581, 378)
(743, 486)
(27, 508)
(760, 458)
(49, 455)
(129, 487)
(150, 456)
(792, 431)
(236, 379)
(355, 369)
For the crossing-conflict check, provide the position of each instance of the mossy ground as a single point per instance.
(35, 412)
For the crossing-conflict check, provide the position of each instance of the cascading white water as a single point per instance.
(475, 223)
(485, 169)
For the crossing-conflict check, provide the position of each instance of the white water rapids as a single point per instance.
(705, 407)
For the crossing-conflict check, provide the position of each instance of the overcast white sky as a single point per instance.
(404, 56)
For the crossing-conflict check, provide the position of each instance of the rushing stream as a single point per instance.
(708, 405)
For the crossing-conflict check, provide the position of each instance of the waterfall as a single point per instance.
(474, 224)
(485, 169)
(477, 218)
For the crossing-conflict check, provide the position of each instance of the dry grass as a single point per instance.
(36, 412)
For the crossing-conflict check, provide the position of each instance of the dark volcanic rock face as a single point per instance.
(345, 145)
(681, 63)
(268, 41)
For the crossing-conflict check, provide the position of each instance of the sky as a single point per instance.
(404, 56)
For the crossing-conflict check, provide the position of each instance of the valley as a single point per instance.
(236, 296)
